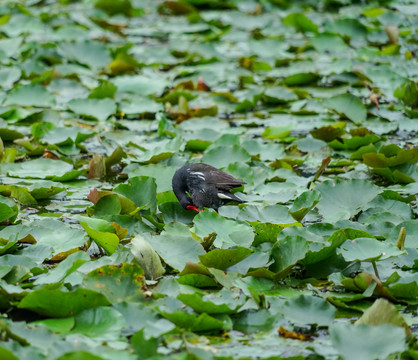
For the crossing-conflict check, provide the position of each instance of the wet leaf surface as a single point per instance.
(312, 104)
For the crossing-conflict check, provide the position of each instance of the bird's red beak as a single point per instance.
(194, 208)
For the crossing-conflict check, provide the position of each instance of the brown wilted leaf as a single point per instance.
(287, 334)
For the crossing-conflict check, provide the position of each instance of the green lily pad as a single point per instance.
(141, 190)
(364, 342)
(101, 232)
(329, 43)
(159, 151)
(210, 304)
(222, 156)
(109, 203)
(100, 109)
(123, 282)
(48, 232)
(100, 323)
(288, 252)
(329, 133)
(152, 324)
(300, 22)
(408, 93)
(161, 173)
(30, 95)
(368, 249)
(59, 303)
(196, 323)
(177, 246)
(309, 309)
(139, 84)
(343, 199)
(79, 355)
(383, 312)
(278, 95)
(39, 169)
(349, 105)
(66, 136)
(229, 233)
(8, 209)
(64, 268)
(91, 53)
(304, 203)
(222, 259)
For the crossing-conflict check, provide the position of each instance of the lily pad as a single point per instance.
(39, 169)
(30, 95)
(309, 309)
(123, 282)
(101, 232)
(343, 199)
(365, 342)
(100, 323)
(100, 109)
(304, 203)
(8, 209)
(368, 249)
(59, 303)
(141, 190)
(177, 246)
(229, 233)
(222, 259)
(349, 105)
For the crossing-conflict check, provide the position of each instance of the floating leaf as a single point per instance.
(300, 22)
(343, 199)
(176, 246)
(364, 342)
(304, 203)
(8, 209)
(92, 53)
(100, 323)
(222, 259)
(123, 282)
(141, 190)
(383, 312)
(277, 95)
(349, 105)
(368, 249)
(100, 109)
(222, 156)
(30, 95)
(287, 253)
(64, 268)
(58, 303)
(39, 169)
(101, 232)
(228, 232)
(309, 309)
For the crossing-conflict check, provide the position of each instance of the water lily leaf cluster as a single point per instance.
(312, 104)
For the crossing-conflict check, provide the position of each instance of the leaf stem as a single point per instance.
(186, 347)
(154, 222)
(375, 269)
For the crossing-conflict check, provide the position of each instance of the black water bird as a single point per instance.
(200, 185)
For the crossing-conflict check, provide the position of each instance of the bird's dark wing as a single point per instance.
(222, 180)
(214, 176)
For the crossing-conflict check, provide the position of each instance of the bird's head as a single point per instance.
(187, 203)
